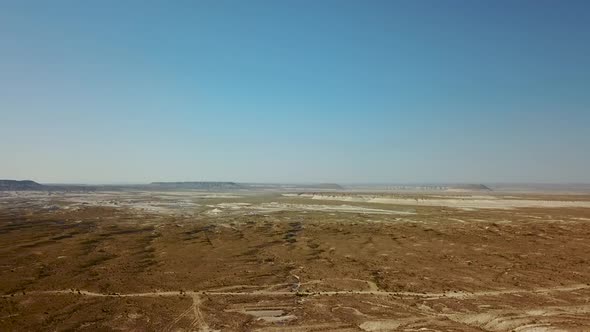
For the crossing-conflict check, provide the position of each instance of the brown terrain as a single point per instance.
(198, 261)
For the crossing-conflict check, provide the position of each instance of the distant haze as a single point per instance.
(295, 91)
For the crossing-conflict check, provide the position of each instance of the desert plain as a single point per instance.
(293, 261)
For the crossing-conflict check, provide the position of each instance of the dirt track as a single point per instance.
(453, 294)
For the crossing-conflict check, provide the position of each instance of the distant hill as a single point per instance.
(470, 187)
(28, 185)
(331, 186)
(15, 185)
(205, 185)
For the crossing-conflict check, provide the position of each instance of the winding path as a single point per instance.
(425, 295)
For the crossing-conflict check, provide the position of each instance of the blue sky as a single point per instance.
(295, 91)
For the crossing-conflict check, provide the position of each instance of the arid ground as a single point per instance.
(197, 261)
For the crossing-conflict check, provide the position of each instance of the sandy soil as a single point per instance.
(163, 262)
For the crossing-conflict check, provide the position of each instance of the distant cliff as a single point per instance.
(470, 187)
(15, 185)
(205, 185)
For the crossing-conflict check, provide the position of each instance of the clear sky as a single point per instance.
(295, 91)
